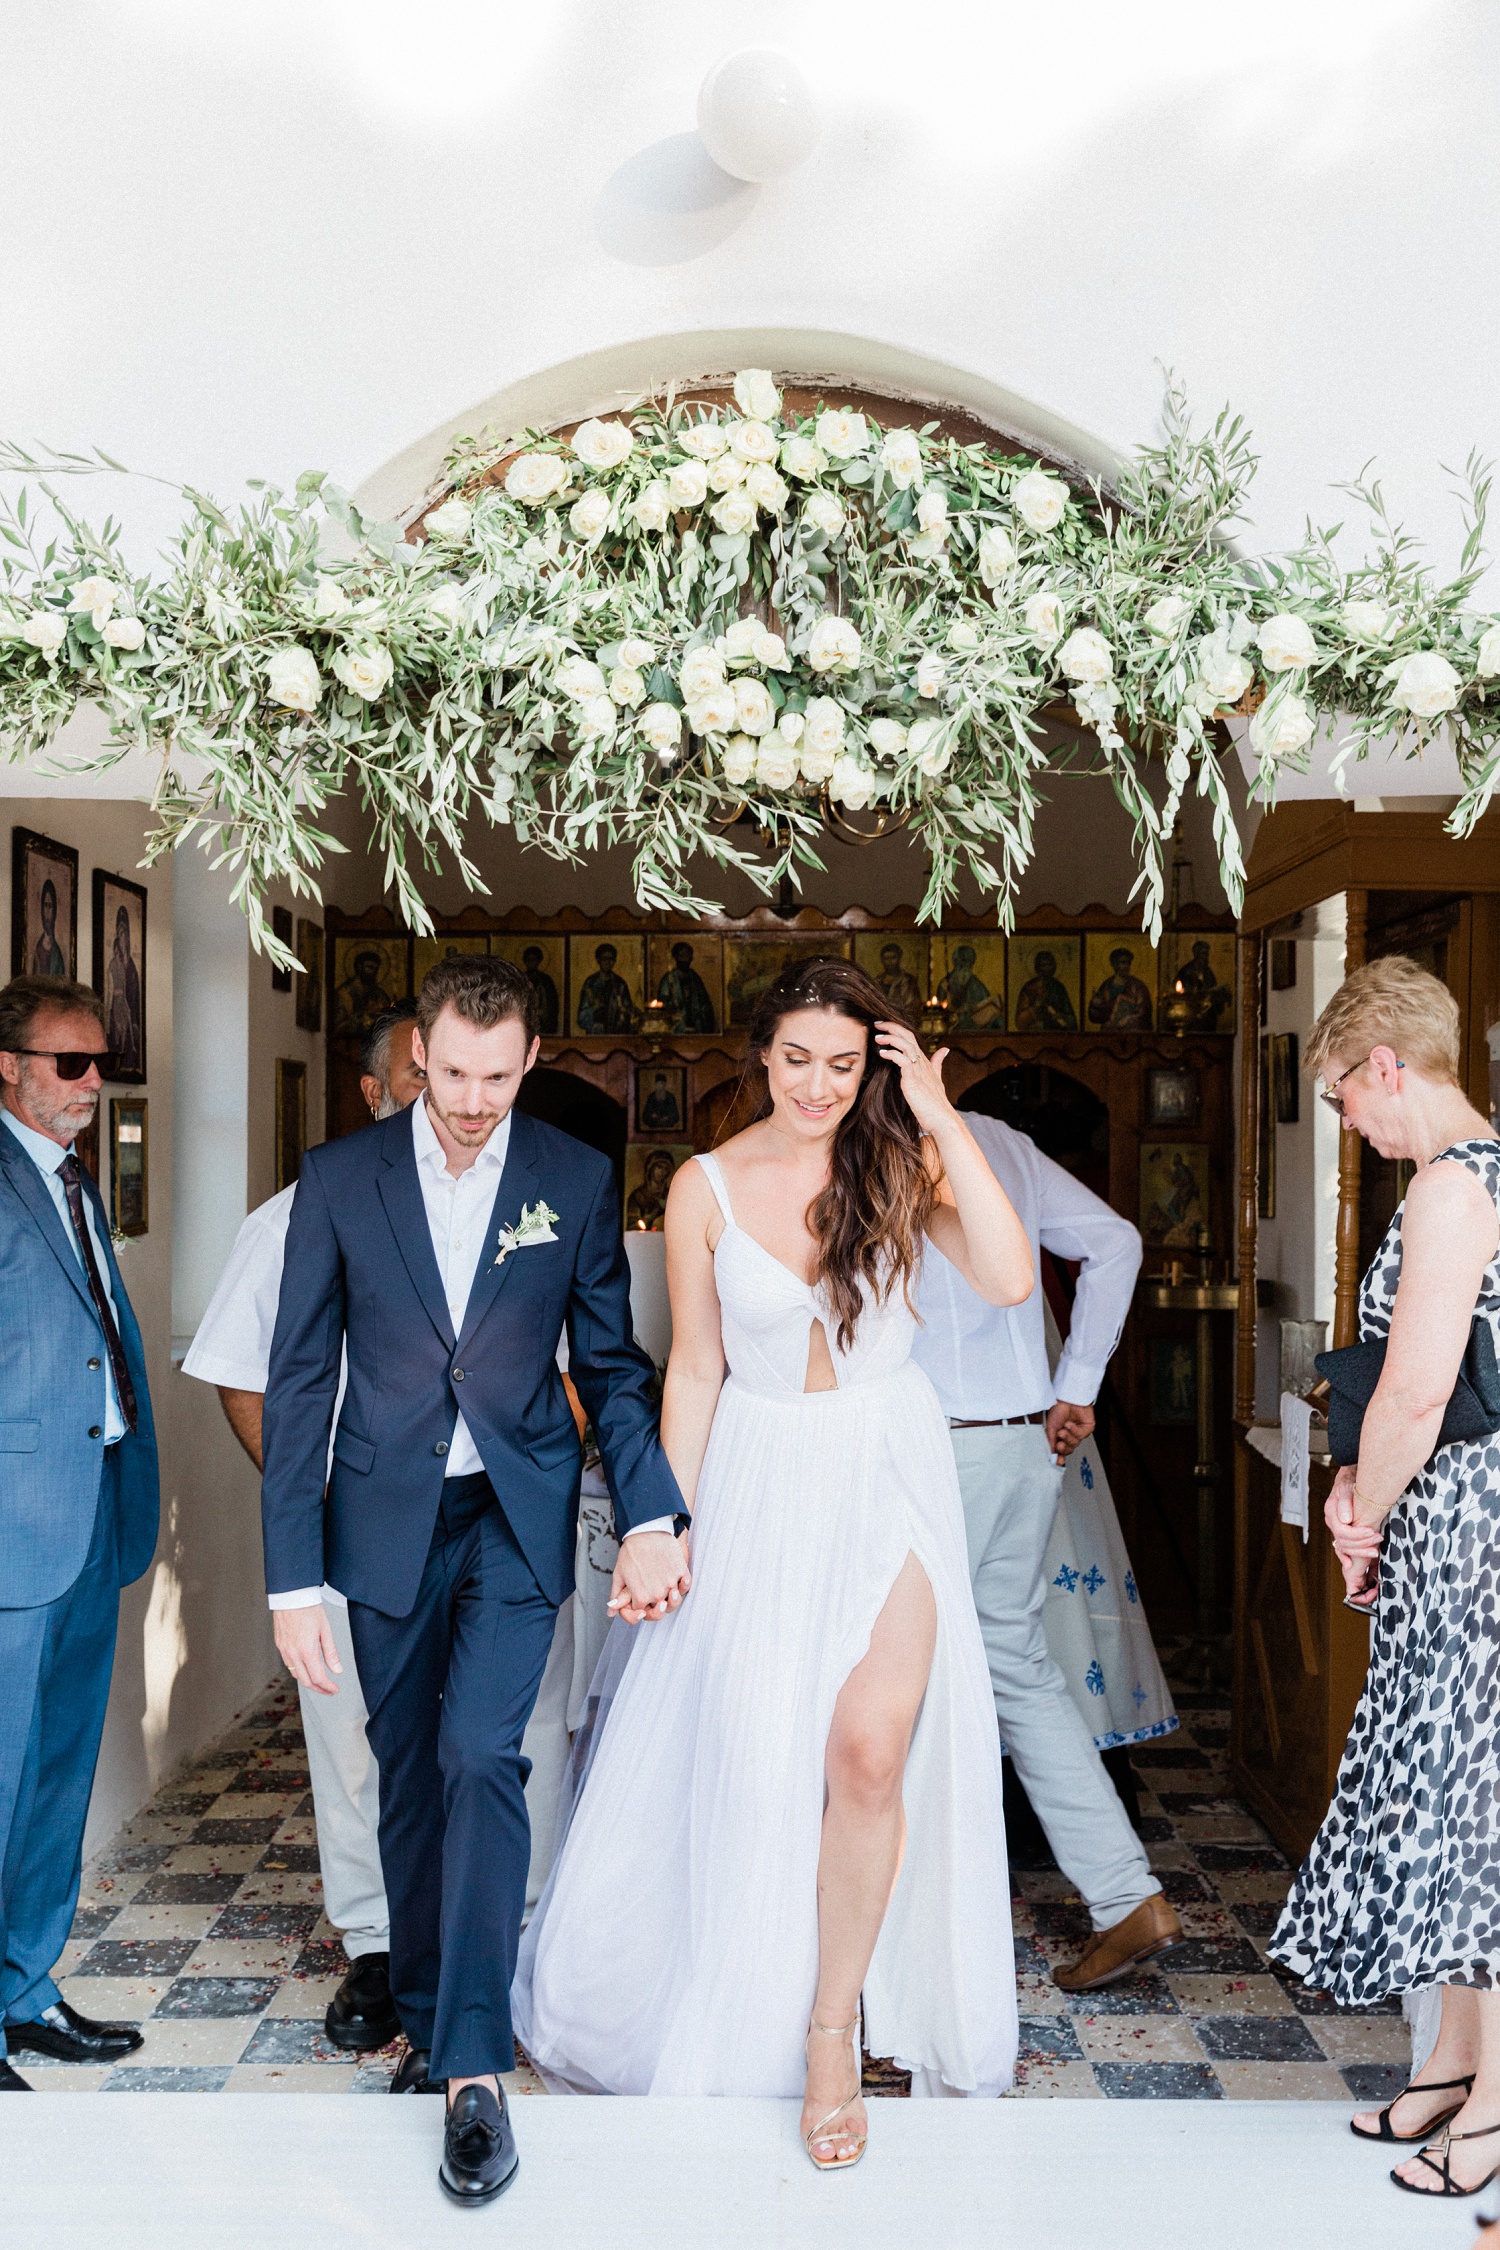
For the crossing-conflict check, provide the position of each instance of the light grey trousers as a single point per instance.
(1011, 1491)
(346, 1800)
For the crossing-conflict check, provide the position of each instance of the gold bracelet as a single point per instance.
(1380, 1509)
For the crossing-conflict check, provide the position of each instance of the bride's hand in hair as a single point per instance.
(921, 1074)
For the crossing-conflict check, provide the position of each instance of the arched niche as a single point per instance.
(1067, 1120)
(573, 1105)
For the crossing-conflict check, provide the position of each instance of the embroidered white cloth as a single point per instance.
(1296, 1445)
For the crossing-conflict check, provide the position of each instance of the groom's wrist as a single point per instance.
(671, 1525)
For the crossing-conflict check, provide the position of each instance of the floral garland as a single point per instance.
(683, 615)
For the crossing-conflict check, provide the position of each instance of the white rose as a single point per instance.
(603, 445)
(687, 486)
(931, 673)
(596, 717)
(755, 393)
(901, 457)
(930, 546)
(769, 650)
(754, 712)
(962, 636)
(1487, 655)
(931, 745)
(825, 723)
(823, 512)
(96, 595)
(534, 477)
(650, 506)
(776, 763)
(887, 738)
(124, 632)
(704, 440)
(766, 488)
(1425, 684)
(842, 434)
(1039, 500)
(752, 441)
(833, 645)
(852, 785)
(740, 755)
(445, 605)
(1282, 726)
(793, 725)
(451, 520)
(626, 686)
(45, 630)
(714, 711)
(734, 513)
(1222, 677)
(661, 724)
(329, 599)
(725, 473)
(636, 652)
(366, 670)
(997, 554)
(801, 458)
(701, 669)
(293, 679)
(1043, 617)
(1366, 621)
(1285, 643)
(580, 678)
(589, 515)
(1087, 656)
(739, 641)
(1166, 614)
(932, 508)
(818, 765)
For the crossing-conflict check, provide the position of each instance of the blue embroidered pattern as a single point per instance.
(1137, 1695)
(1067, 1579)
(1085, 1472)
(1093, 1678)
(1130, 1592)
(1095, 1579)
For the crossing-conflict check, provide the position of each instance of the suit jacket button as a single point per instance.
(440, 1447)
(96, 1431)
(95, 1364)
(458, 1374)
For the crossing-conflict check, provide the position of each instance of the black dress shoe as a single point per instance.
(11, 2081)
(411, 2075)
(362, 2013)
(67, 2036)
(479, 2148)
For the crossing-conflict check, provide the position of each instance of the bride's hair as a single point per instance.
(870, 1219)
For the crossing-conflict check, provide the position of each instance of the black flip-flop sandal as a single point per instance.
(1402, 2140)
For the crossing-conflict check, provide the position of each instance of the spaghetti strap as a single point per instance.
(716, 1182)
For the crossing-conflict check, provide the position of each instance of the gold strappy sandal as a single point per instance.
(820, 2130)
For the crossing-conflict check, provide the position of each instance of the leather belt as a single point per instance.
(1001, 1421)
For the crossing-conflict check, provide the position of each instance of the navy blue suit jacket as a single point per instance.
(360, 1267)
(52, 1389)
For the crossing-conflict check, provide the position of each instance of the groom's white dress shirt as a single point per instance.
(48, 1158)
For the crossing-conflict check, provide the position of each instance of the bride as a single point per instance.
(795, 1799)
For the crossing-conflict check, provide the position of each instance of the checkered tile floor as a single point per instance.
(203, 1923)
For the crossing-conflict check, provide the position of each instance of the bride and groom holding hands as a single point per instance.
(792, 1810)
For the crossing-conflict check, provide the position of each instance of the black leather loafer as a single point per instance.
(479, 2148)
(361, 2013)
(67, 2036)
(411, 2075)
(11, 2081)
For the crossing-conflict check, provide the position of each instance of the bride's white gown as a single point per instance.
(676, 1948)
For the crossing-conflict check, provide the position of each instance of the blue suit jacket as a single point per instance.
(360, 1267)
(51, 1397)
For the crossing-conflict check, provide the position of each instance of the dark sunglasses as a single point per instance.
(73, 1064)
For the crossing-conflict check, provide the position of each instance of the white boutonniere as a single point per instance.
(535, 1225)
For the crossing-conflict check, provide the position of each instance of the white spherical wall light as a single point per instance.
(756, 115)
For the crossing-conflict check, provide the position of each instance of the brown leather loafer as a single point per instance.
(1112, 1954)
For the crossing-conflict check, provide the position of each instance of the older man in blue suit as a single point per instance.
(78, 1500)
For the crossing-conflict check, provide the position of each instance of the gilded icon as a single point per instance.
(661, 1098)
(427, 952)
(120, 972)
(686, 974)
(607, 975)
(898, 961)
(1119, 981)
(1174, 1193)
(1201, 964)
(1044, 972)
(968, 972)
(369, 976)
(542, 960)
(648, 1176)
(752, 965)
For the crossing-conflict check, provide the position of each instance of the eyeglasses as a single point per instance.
(72, 1063)
(1331, 1094)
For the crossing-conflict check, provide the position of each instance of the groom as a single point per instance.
(448, 1247)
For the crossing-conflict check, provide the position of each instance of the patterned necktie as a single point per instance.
(72, 1180)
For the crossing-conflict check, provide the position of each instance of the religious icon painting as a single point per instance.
(1285, 1085)
(281, 929)
(426, 952)
(1174, 1193)
(1174, 1383)
(1202, 963)
(648, 1175)
(607, 982)
(1172, 1097)
(44, 906)
(129, 1203)
(1119, 981)
(661, 1098)
(291, 1120)
(1283, 964)
(1044, 972)
(967, 968)
(308, 984)
(752, 965)
(370, 974)
(898, 960)
(120, 972)
(685, 972)
(543, 961)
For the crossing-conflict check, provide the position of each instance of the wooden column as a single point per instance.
(1249, 1212)
(1346, 1251)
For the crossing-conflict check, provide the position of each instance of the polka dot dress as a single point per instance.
(1402, 1886)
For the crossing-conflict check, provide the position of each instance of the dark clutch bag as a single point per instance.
(1352, 1373)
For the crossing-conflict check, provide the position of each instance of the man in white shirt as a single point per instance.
(1012, 1429)
(232, 1350)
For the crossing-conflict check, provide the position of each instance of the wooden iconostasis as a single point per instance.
(1056, 1028)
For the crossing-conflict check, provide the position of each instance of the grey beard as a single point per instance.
(388, 1106)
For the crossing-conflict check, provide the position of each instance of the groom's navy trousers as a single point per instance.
(450, 1688)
